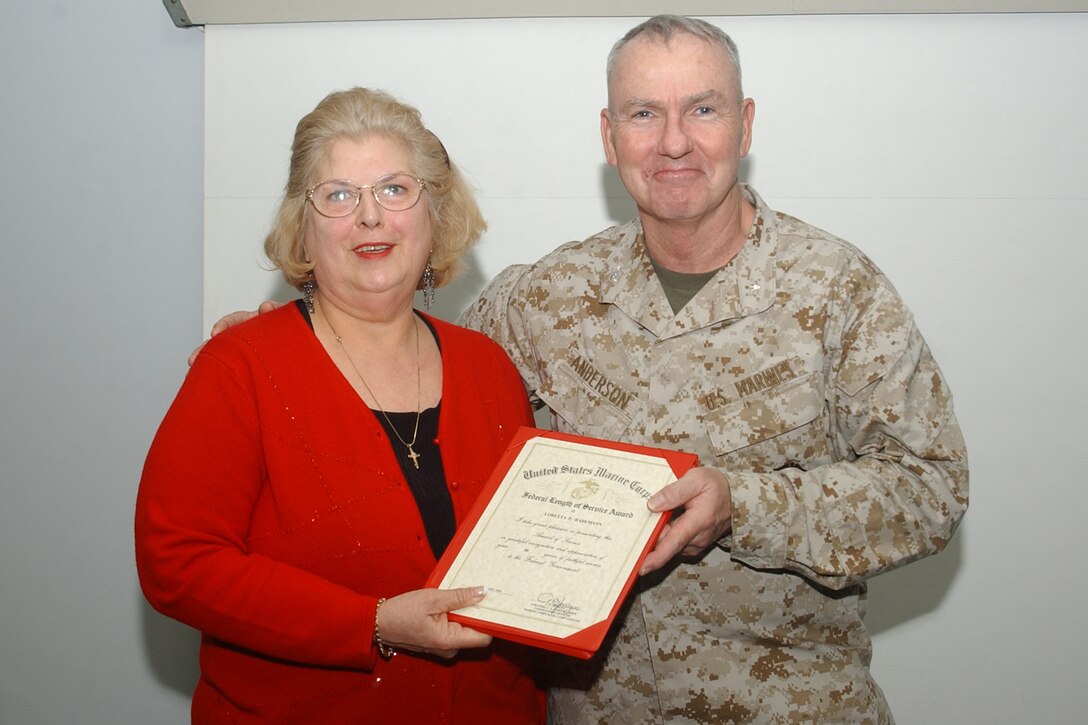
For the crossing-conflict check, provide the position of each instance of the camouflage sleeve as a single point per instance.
(499, 313)
(898, 488)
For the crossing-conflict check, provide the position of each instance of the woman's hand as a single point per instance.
(417, 621)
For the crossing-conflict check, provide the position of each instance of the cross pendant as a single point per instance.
(414, 456)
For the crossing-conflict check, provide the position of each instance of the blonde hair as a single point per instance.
(358, 114)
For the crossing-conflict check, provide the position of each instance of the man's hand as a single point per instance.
(707, 516)
(233, 319)
(417, 621)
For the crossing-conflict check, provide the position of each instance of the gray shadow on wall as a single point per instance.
(619, 204)
(171, 649)
(450, 301)
(914, 590)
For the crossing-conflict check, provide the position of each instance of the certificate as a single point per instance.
(557, 537)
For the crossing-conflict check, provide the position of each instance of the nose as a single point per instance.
(369, 212)
(675, 140)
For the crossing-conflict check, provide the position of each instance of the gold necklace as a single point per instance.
(419, 398)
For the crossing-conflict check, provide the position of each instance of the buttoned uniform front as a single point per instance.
(272, 515)
(799, 373)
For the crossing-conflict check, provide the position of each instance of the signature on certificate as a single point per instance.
(554, 606)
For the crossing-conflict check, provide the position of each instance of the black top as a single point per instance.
(428, 482)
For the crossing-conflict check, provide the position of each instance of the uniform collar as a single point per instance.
(745, 286)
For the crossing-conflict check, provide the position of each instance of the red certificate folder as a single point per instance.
(564, 514)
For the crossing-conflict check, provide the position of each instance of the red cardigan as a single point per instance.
(272, 514)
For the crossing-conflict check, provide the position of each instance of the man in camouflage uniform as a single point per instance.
(782, 357)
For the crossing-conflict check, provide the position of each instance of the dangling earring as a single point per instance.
(428, 285)
(308, 288)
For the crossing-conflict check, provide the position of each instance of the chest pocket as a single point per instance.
(774, 428)
(603, 411)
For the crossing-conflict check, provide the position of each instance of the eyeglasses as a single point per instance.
(340, 197)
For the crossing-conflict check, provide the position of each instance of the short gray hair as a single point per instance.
(665, 27)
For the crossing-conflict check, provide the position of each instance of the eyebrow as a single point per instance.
(693, 100)
(705, 96)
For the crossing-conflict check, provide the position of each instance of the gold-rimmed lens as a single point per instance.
(334, 198)
(397, 192)
(340, 197)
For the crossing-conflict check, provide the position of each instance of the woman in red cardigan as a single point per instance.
(318, 458)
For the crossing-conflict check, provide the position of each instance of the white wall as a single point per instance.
(949, 148)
